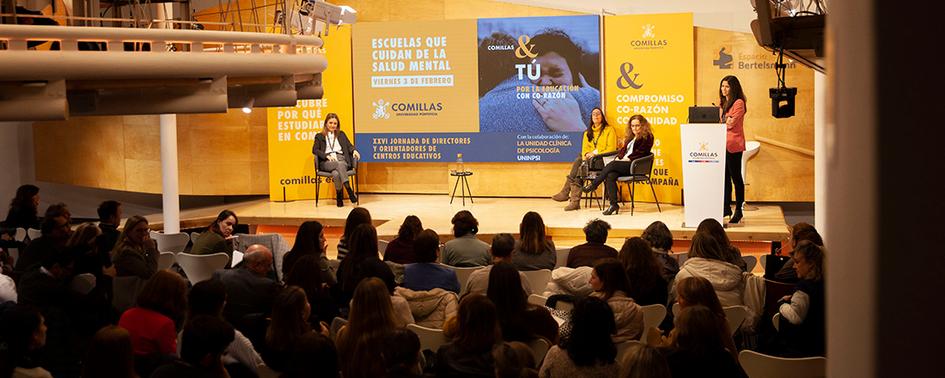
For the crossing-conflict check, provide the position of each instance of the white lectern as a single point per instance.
(703, 167)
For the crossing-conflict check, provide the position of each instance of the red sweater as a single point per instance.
(151, 332)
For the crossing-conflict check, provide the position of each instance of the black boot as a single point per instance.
(737, 216)
(340, 198)
(353, 197)
(726, 211)
(613, 209)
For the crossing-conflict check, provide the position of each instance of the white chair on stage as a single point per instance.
(171, 242)
(751, 149)
(430, 338)
(201, 267)
(166, 260)
(652, 317)
(537, 279)
(561, 256)
(759, 365)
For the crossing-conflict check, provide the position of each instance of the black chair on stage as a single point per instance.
(640, 170)
(594, 166)
(352, 175)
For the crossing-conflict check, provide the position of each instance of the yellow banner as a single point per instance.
(292, 130)
(649, 70)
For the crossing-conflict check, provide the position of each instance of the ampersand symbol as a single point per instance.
(524, 49)
(624, 81)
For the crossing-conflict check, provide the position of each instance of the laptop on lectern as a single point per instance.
(704, 114)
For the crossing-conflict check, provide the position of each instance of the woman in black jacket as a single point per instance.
(334, 153)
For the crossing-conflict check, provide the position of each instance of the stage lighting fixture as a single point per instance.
(248, 108)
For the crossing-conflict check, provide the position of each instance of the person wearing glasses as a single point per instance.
(637, 144)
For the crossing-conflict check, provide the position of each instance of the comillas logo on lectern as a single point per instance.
(648, 39)
(703, 155)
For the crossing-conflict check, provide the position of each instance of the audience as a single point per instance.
(306, 275)
(310, 241)
(110, 354)
(698, 291)
(24, 332)
(109, 217)
(426, 274)
(609, 281)
(218, 238)
(647, 285)
(361, 262)
(519, 320)
(587, 254)
(360, 341)
(533, 251)
(135, 253)
(400, 250)
(661, 241)
(401, 354)
(154, 321)
(799, 232)
(465, 250)
(802, 329)
(501, 250)
(588, 350)
(249, 290)
(55, 234)
(24, 208)
(207, 298)
(730, 253)
(83, 246)
(706, 260)
(469, 353)
(290, 313)
(643, 361)
(314, 355)
(204, 341)
(356, 217)
(696, 348)
(514, 360)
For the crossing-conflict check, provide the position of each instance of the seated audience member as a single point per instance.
(802, 328)
(661, 241)
(46, 287)
(533, 251)
(310, 241)
(314, 355)
(154, 321)
(360, 263)
(84, 248)
(465, 249)
(799, 232)
(514, 360)
(706, 260)
(24, 208)
(696, 348)
(204, 341)
(643, 361)
(588, 350)
(207, 298)
(595, 232)
(501, 250)
(249, 290)
(23, 331)
(218, 238)
(401, 354)
(426, 274)
(371, 319)
(356, 217)
(135, 253)
(59, 210)
(698, 291)
(400, 250)
(110, 355)
(730, 253)
(55, 235)
(290, 313)
(305, 274)
(643, 272)
(609, 281)
(519, 320)
(469, 353)
(7, 289)
(109, 217)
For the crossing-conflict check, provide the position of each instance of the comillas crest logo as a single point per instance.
(648, 31)
(380, 109)
(648, 39)
(724, 61)
(703, 146)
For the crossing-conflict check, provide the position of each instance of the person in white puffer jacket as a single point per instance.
(706, 260)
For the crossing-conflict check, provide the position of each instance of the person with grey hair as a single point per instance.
(595, 232)
(249, 290)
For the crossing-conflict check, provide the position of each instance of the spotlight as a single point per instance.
(248, 108)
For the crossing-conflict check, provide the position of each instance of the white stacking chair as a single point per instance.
(194, 236)
(624, 348)
(34, 233)
(652, 317)
(462, 274)
(201, 267)
(382, 246)
(20, 234)
(430, 338)
(336, 325)
(776, 321)
(538, 300)
(751, 261)
(561, 256)
(758, 365)
(764, 261)
(539, 349)
(735, 315)
(165, 260)
(681, 257)
(537, 279)
(171, 242)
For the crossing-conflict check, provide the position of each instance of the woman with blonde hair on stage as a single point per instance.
(637, 144)
(599, 138)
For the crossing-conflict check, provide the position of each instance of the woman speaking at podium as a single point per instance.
(334, 153)
(599, 138)
(732, 114)
(637, 144)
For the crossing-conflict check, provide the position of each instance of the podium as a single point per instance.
(703, 168)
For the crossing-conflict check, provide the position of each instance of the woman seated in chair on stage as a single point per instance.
(334, 153)
(637, 144)
(599, 138)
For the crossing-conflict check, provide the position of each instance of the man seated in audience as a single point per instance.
(426, 274)
(595, 232)
(55, 234)
(109, 216)
(204, 340)
(501, 250)
(799, 232)
(249, 291)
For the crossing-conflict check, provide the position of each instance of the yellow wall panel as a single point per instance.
(142, 175)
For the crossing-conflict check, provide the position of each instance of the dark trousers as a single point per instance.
(733, 175)
(609, 176)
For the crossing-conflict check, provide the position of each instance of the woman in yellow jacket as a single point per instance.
(599, 138)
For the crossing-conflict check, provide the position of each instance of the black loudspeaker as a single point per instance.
(782, 102)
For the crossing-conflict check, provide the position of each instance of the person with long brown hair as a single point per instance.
(732, 109)
(135, 253)
(730, 253)
(334, 153)
(707, 260)
(698, 291)
(290, 314)
(599, 138)
(647, 285)
(371, 318)
(356, 217)
(520, 320)
(697, 349)
(609, 282)
(218, 237)
(309, 240)
(637, 143)
(400, 250)
(588, 350)
(469, 354)
(533, 250)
